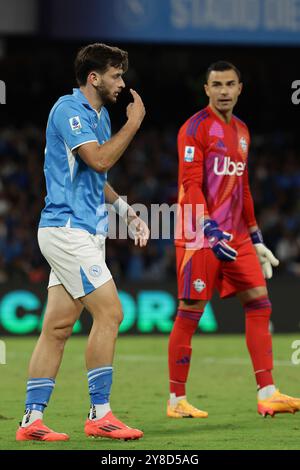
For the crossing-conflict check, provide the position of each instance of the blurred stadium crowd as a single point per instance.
(146, 174)
(171, 83)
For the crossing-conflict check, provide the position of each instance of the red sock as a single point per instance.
(180, 350)
(259, 339)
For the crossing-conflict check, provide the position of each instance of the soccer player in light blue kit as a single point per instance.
(72, 231)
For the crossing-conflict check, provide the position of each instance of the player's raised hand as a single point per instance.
(136, 109)
(217, 241)
(140, 231)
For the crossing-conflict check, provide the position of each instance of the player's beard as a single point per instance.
(104, 94)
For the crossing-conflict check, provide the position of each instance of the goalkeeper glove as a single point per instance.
(265, 256)
(217, 241)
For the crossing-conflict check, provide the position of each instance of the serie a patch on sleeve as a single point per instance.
(189, 154)
(75, 123)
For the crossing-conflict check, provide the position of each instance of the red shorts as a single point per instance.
(200, 272)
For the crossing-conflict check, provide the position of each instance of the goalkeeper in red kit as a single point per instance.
(225, 249)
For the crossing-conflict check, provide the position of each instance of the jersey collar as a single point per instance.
(211, 111)
(77, 93)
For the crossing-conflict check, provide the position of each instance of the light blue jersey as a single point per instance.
(75, 192)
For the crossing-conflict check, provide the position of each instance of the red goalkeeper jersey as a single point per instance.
(213, 172)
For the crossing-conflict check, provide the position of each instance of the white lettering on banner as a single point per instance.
(249, 15)
(229, 14)
(282, 15)
(230, 168)
(221, 14)
(179, 14)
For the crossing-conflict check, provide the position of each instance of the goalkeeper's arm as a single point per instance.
(265, 256)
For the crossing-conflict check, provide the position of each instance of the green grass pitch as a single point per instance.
(221, 382)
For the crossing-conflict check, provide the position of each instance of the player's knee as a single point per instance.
(252, 295)
(110, 316)
(118, 315)
(62, 333)
(59, 331)
(261, 307)
(192, 304)
(114, 318)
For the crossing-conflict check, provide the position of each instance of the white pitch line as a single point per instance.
(238, 361)
(206, 360)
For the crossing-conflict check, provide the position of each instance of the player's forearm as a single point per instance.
(195, 198)
(194, 193)
(121, 206)
(248, 205)
(110, 194)
(253, 229)
(249, 215)
(110, 152)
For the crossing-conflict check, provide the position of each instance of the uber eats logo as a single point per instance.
(149, 311)
(2, 92)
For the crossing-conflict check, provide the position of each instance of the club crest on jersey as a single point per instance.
(227, 167)
(244, 144)
(199, 285)
(95, 270)
(75, 123)
(189, 154)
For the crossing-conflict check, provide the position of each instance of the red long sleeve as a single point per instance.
(191, 171)
(248, 205)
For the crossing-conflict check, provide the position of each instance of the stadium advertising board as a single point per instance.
(148, 309)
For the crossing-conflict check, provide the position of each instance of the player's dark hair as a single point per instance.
(222, 66)
(98, 57)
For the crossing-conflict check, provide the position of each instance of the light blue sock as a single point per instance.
(38, 393)
(37, 397)
(100, 382)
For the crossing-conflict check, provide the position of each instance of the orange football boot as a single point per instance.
(37, 431)
(184, 409)
(109, 426)
(278, 403)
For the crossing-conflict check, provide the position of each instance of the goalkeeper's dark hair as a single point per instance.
(98, 57)
(222, 66)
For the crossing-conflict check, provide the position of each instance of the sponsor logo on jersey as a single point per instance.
(189, 154)
(244, 144)
(228, 168)
(199, 285)
(95, 270)
(75, 123)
